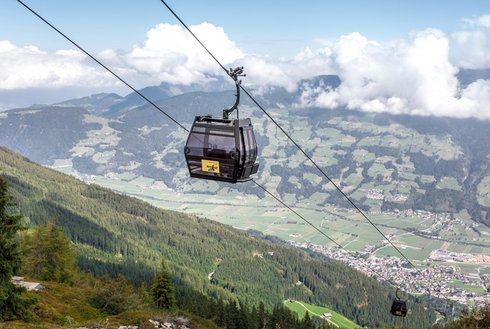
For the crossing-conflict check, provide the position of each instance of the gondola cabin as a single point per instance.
(399, 308)
(221, 149)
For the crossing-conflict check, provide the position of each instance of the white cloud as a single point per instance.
(264, 72)
(30, 67)
(171, 54)
(470, 48)
(480, 21)
(6, 46)
(412, 77)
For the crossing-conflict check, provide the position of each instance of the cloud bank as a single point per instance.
(169, 54)
(30, 67)
(406, 77)
(172, 55)
(416, 75)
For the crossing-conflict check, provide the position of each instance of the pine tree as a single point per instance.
(262, 316)
(244, 317)
(162, 288)
(307, 323)
(49, 255)
(219, 318)
(231, 317)
(12, 305)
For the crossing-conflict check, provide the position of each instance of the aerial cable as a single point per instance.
(304, 219)
(171, 118)
(181, 126)
(195, 37)
(104, 66)
(397, 306)
(291, 139)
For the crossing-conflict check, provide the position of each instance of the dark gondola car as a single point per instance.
(221, 149)
(399, 308)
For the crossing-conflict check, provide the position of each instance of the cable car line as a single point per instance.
(304, 219)
(102, 64)
(246, 92)
(195, 37)
(397, 301)
(290, 138)
(171, 118)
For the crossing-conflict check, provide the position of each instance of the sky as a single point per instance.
(391, 56)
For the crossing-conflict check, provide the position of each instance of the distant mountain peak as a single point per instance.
(96, 103)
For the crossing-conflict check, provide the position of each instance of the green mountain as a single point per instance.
(116, 234)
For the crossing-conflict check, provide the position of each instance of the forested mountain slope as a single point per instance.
(116, 234)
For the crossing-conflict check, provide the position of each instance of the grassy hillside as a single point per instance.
(336, 320)
(68, 306)
(116, 234)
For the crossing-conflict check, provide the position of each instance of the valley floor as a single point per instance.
(439, 279)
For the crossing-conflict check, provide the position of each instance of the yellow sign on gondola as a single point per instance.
(210, 166)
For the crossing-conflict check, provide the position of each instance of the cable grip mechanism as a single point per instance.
(234, 74)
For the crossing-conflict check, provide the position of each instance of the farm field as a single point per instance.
(245, 212)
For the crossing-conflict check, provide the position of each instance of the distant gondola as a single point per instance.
(222, 149)
(399, 307)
